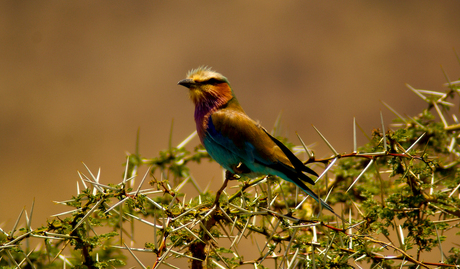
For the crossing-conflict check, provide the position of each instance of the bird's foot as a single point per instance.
(231, 176)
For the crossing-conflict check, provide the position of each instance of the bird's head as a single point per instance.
(207, 86)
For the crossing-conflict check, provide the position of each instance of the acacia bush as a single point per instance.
(397, 199)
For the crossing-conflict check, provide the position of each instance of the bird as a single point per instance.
(234, 140)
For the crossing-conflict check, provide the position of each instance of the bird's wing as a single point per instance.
(298, 164)
(236, 132)
(242, 136)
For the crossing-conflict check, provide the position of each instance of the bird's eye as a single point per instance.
(212, 81)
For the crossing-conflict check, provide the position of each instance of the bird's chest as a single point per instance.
(221, 148)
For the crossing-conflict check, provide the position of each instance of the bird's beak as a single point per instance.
(186, 82)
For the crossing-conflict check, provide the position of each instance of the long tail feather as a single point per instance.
(298, 164)
(313, 195)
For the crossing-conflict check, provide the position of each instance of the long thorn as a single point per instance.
(327, 142)
(362, 173)
(355, 147)
(383, 133)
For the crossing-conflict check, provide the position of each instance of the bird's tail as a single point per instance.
(314, 196)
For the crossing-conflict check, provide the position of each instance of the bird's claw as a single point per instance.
(231, 176)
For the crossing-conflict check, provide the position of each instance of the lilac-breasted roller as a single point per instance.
(234, 140)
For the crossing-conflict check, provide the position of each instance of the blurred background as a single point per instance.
(78, 78)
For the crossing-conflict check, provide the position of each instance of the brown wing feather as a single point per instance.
(237, 126)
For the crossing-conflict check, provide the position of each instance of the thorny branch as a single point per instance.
(403, 183)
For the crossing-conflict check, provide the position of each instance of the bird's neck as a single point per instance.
(204, 110)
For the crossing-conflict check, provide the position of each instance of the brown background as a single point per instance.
(78, 78)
